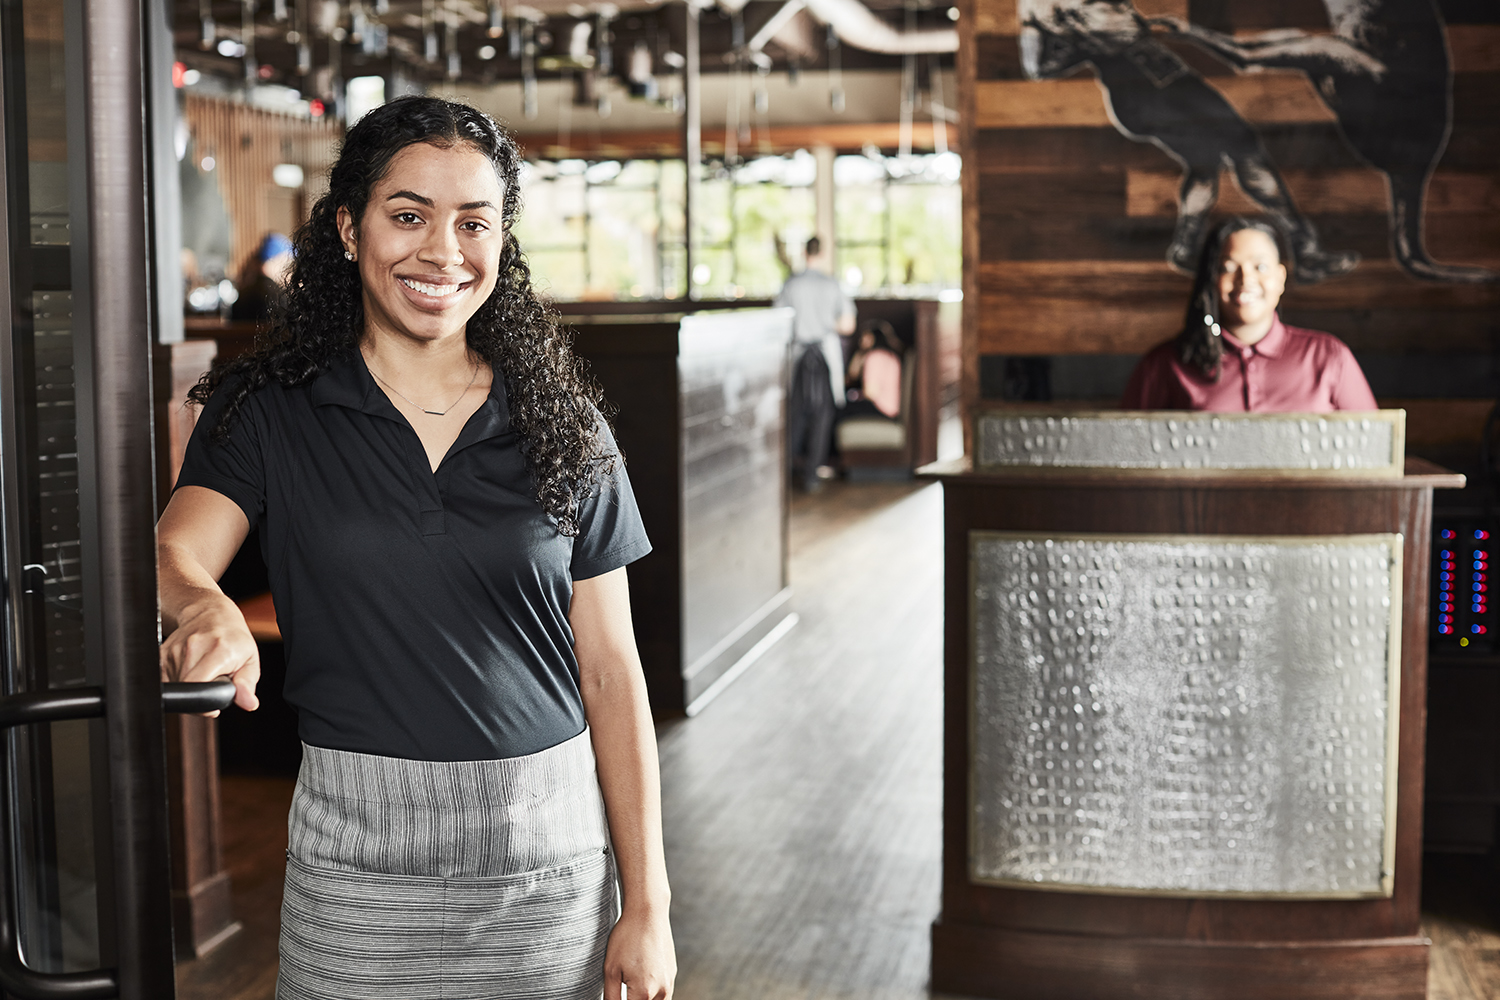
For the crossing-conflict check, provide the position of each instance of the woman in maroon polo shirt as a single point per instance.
(1234, 353)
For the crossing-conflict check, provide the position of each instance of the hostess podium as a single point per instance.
(1185, 671)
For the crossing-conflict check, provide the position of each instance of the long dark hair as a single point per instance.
(1199, 345)
(553, 406)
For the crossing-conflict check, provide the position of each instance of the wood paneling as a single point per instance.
(246, 143)
(1068, 222)
(1376, 284)
(1275, 96)
(1335, 192)
(1475, 47)
(1001, 17)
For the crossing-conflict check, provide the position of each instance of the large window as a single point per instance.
(899, 223)
(743, 213)
(608, 229)
(613, 229)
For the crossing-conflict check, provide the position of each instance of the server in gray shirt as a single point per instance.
(824, 311)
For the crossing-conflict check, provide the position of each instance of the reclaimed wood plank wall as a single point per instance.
(1068, 220)
(246, 143)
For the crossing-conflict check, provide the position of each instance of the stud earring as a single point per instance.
(348, 254)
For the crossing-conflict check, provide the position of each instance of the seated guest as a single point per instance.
(1234, 353)
(874, 375)
(263, 281)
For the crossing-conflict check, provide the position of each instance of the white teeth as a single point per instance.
(436, 291)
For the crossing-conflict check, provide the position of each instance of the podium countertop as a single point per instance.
(1418, 473)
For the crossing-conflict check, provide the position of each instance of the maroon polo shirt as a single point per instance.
(1289, 370)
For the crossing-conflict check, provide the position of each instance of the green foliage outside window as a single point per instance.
(613, 229)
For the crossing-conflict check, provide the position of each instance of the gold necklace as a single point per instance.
(436, 413)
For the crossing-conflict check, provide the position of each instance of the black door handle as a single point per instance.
(55, 706)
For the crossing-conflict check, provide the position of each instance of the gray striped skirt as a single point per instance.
(426, 879)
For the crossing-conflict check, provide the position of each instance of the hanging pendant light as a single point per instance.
(528, 71)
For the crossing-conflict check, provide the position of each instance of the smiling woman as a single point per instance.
(1234, 353)
(446, 520)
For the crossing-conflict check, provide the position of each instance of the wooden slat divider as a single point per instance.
(246, 142)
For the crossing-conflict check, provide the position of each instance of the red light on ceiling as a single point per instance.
(315, 108)
(178, 69)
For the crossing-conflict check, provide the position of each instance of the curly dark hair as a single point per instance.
(1199, 345)
(554, 407)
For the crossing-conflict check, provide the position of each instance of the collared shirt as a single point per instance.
(424, 615)
(1289, 370)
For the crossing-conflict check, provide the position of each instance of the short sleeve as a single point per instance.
(1351, 391)
(1144, 390)
(233, 466)
(610, 532)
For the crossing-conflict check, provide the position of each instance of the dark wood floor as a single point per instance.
(802, 806)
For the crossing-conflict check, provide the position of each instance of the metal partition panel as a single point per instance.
(1322, 443)
(732, 377)
(1186, 714)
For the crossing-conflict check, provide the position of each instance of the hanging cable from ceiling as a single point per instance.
(937, 103)
(336, 36)
(604, 65)
(450, 43)
(429, 31)
(299, 37)
(835, 72)
(528, 70)
(762, 106)
(908, 87)
(247, 39)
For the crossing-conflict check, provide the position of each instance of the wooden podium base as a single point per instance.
(1005, 964)
(1011, 942)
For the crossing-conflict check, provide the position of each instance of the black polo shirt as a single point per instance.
(425, 615)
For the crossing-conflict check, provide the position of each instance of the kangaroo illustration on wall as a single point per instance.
(1383, 71)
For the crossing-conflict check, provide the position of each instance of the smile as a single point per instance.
(436, 291)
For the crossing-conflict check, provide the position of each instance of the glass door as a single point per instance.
(84, 873)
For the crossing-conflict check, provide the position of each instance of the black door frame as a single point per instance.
(114, 278)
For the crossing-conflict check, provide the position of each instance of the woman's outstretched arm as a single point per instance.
(206, 635)
(640, 952)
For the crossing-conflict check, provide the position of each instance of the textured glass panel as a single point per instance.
(1193, 441)
(1191, 715)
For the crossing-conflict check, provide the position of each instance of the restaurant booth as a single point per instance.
(1185, 662)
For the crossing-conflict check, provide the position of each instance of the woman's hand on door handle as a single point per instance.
(211, 641)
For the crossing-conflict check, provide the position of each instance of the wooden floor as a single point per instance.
(802, 807)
